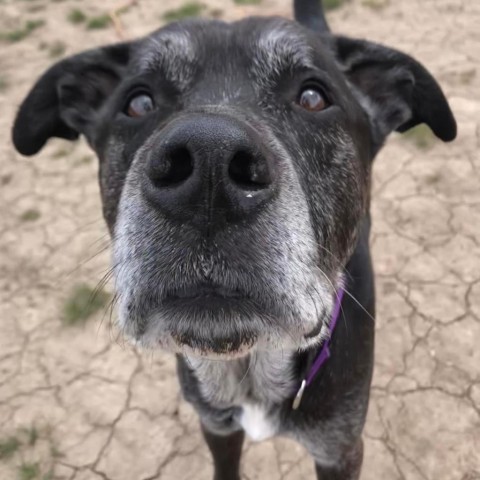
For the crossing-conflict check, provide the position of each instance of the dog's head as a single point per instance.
(234, 169)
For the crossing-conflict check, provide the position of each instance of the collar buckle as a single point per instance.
(299, 395)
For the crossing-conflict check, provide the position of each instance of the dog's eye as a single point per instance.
(140, 105)
(312, 99)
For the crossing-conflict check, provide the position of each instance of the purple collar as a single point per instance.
(324, 354)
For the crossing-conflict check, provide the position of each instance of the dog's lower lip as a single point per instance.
(202, 291)
(232, 346)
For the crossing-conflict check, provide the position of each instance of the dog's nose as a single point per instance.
(208, 170)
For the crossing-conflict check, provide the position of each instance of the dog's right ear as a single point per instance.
(64, 101)
(400, 91)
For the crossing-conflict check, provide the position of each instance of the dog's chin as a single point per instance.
(212, 326)
(218, 326)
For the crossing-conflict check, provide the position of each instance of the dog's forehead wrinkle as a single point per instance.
(287, 45)
(282, 47)
(169, 51)
(270, 46)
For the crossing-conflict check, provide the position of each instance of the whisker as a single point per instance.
(359, 304)
(337, 260)
(254, 354)
(347, 292)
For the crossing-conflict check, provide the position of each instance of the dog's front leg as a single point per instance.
(226, 451)
(349, 467)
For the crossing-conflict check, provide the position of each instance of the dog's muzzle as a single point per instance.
(214, 243)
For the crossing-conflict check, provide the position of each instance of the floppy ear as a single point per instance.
(398, 93)
(64, 101)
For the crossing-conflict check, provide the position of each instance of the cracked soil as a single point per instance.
(78, 404)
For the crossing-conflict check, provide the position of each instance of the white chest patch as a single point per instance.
(256, 423)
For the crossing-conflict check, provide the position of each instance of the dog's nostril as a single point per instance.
(174, 167)
(249, 171)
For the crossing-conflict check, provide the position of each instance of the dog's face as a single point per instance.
(234, 170)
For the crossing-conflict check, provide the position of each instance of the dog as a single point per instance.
(235, 171)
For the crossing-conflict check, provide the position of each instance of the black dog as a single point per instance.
(235, 166)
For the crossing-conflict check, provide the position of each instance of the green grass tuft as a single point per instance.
(82, 304)
(55, 452)
(247, 2)
(56, 49)
(8, 447)
(375, 4)
(421, 136)
(32, 436)
(85, 160)
(32, 25)
(28, 471)
(468, 76)
(76, 16)
(191, 9)
(30, 215)
(216, 13)
(60, 153)
(97, 23)
(3, 84)
(332, 4)
(21, 33)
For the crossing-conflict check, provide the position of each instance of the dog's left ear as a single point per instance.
(64, 101)
(398, 93)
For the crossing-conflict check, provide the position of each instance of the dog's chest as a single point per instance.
(257, 422)
(257, 385)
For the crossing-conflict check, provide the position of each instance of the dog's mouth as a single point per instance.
(221, 322)
(216, 321)
(204, 292)
(209, 301)
(208, 320)
(224, 318)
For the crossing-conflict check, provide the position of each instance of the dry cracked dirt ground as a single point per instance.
(76, 403)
